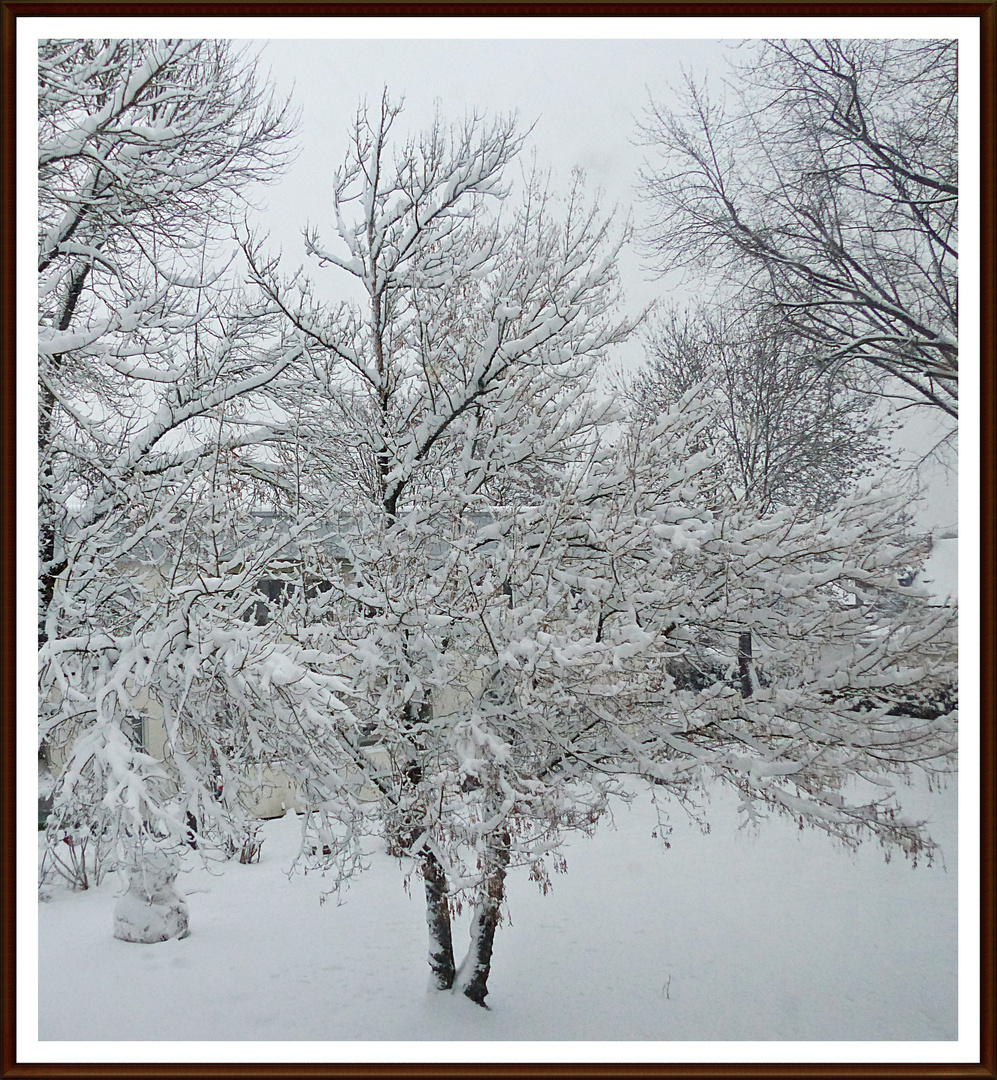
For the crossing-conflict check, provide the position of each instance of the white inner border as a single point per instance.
(967, 1048)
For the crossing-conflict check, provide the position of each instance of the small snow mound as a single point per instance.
(151, 910)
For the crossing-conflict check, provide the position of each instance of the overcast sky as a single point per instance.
(583, 97)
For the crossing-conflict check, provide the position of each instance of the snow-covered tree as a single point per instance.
(455, 404)
(786, 432)
(826, 183)
(150, 373)
(531, 610)
(143, 150)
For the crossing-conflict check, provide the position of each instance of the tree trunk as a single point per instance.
(403, 834)
(744, 664)
(47, 405)
(473, 976)
(441, 958)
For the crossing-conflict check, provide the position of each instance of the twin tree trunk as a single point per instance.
(472, 977)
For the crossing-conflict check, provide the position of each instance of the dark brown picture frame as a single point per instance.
(11, 11)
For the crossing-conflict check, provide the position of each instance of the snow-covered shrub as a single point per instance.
(78, 857)
(252, 845)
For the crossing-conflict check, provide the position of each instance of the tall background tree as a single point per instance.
(786, 431)
(144, 149)
(825, 183)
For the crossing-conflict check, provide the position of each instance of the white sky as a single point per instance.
(582, 96)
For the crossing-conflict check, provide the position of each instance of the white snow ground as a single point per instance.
(733, 935)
